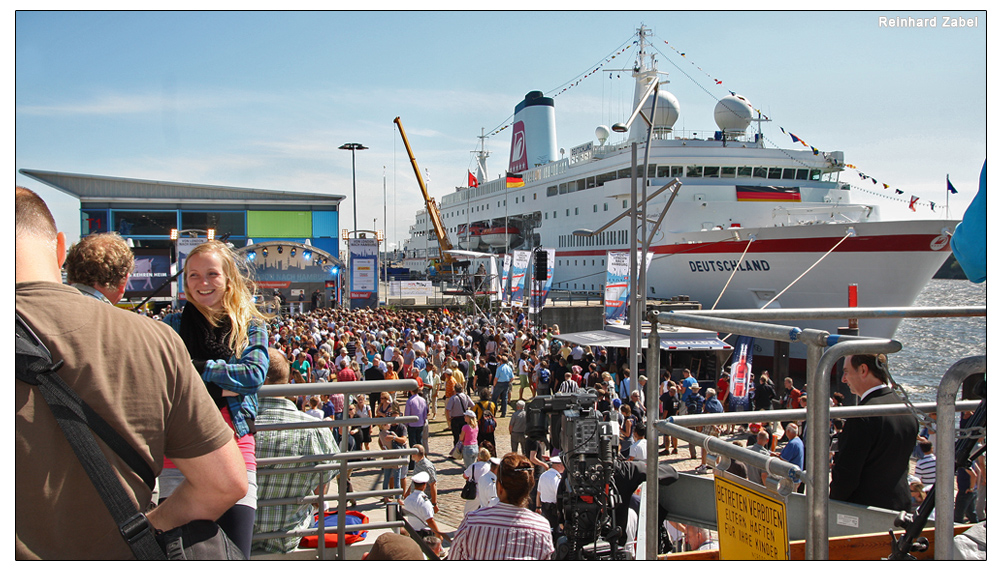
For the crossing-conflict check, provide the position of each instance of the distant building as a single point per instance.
(299, 231)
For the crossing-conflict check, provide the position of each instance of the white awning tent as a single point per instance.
(675, 338)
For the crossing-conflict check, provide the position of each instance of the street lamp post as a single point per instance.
(352, 146)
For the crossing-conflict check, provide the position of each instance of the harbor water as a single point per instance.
(932, 345)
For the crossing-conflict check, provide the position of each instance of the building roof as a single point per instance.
(94, 188)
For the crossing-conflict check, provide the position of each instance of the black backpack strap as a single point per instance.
(33, 365)
(38, 362)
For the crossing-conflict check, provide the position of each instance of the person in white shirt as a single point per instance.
(548, 488)
(486, 489)
(419, 510)
(477, 471)
(637, 452)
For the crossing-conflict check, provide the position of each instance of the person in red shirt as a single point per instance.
(722, 393)
(789, 400)
(345, 373)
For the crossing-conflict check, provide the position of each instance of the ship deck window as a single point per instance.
(581, 184)
(760, 173)
(744, 171)
(694, 171)
(604, 178)
(552, 190)
(711, 171)
(774, 173)
(788, 173)
(728, 171)
(624, 173)
(591, 182)
(563, 188)
(815, 175)
(676, 171)
(801, 173)
(663, 171)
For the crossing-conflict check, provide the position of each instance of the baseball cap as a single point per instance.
(422, 477)
(470, 414)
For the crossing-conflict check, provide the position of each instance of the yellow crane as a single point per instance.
(444, 243)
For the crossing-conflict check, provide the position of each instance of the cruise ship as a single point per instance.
(751, 226)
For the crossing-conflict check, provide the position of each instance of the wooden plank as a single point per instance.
(857, 547)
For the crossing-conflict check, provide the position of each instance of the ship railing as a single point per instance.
(346, 461)
(823, 351)
(812, 214)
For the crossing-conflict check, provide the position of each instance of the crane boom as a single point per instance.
(444, 243)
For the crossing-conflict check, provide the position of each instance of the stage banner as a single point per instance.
(519, 268)
(540, 291)
(504, 277)
(739, 380)
(152, 269)
(363, 263)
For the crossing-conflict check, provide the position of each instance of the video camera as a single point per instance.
(588, 446)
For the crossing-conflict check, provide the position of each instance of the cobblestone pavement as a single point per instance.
(449, 472)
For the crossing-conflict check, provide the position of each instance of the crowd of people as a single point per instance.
(207, 441)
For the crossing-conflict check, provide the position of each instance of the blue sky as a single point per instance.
(264, 99)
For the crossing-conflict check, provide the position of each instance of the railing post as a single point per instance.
(652, 496)
(944, 481)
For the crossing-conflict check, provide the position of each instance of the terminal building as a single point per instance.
(290, 238)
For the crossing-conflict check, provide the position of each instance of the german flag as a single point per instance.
(514, 180)
(767, 193)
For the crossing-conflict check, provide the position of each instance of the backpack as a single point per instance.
(488, 425)
(544, 376)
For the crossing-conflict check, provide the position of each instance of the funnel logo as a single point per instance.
(518, 150)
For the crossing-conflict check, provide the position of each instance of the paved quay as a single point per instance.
(449, 472)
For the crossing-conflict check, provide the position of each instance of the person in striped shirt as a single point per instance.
(507, 531)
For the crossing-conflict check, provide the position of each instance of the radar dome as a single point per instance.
(733, 113)
(602, 133)
(667, 110)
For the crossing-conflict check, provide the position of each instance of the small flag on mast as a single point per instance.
(951, 188)
(473, 182)
(514, 180)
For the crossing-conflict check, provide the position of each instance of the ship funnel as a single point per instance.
(533, 141)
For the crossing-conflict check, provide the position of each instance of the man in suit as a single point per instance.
(873, 459)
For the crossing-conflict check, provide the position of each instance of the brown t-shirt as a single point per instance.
(133, 371)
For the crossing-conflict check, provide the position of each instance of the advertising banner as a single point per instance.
(363, 266)
(409, 288)
(184, 247)
(519, 269)
(540, 291)
(616, 287)
(739, 382)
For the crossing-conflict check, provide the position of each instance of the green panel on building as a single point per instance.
(279, 224)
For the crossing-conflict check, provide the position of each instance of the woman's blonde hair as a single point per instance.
(237, 301)
(484, 455)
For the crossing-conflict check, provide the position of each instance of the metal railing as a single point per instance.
(347, 460)
(823, 351)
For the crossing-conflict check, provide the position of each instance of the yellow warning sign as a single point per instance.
(752, 524)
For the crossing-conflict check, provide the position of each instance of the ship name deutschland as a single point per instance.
(728, 265)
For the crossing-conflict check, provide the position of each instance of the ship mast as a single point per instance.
(482, 173)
